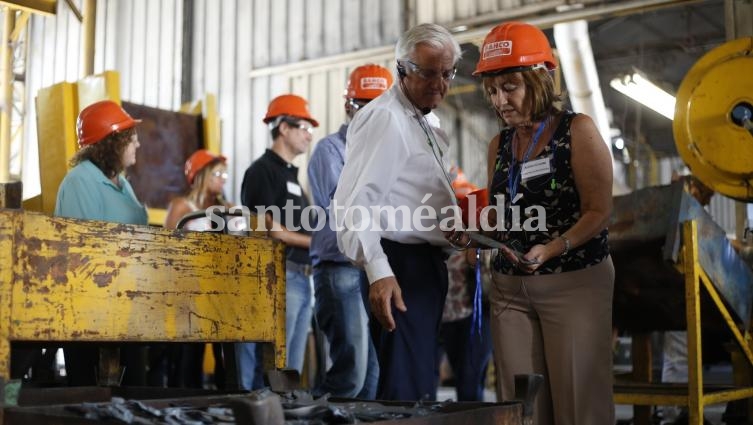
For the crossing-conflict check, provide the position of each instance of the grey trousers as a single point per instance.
(560, 326)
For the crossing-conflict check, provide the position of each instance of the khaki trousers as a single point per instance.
(560, 326)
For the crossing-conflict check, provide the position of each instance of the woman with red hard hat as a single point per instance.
(552, 303)
(206, 174)
(96, 189)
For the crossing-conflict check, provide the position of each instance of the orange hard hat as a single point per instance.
(198, 160)
(514, 45)
(368, 82)
(99, 120)
(289, 105)
(461, 185)
(479, 198)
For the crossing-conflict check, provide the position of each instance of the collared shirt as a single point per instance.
(390, 163)
(270, 181)
(88, 194)
(325, 166)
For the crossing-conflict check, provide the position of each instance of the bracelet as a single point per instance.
(462, 248)
(567, 244)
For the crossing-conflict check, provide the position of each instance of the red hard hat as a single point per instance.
(368, 82)
(290, 105)
(513, 45)
(461, 185)
(99, 120)
(200, 159)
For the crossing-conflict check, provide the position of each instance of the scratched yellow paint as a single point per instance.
(95, 281)
(6, 275)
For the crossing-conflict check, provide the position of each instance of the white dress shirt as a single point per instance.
(390, 163)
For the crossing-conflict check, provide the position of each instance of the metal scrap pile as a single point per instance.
(136, 412)
(259, 407)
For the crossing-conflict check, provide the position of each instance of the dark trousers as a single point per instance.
(407, 355)
(468, 354)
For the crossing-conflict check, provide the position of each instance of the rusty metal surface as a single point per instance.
(649, 292)
(73, 280)
(642, 216)
(167, 139)
(731, 276)
(644, 237)
(11, 194)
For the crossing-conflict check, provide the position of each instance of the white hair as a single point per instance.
(434, 35)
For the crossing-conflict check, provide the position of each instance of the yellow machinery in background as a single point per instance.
(712, 126)
(714, 135)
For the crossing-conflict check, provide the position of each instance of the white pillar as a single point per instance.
(576, 59)
(579, 70)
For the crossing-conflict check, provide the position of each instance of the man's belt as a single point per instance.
(292, 266)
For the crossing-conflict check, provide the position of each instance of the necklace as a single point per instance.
(514, 172)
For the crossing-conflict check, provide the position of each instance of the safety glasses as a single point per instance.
(427, 74)
(305, 127)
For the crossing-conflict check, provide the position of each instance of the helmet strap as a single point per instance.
(276, 122)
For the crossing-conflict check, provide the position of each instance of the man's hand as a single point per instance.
(382, 294)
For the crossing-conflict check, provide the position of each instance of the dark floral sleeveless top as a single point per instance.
(555, 191)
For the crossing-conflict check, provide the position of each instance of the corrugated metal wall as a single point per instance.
(143, 40)
(232, 38)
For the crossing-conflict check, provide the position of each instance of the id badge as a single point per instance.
(294, 189)
(535, 168)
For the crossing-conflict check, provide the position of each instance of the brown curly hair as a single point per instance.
(107, 154)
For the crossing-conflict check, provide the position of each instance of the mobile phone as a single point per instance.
(493, 243)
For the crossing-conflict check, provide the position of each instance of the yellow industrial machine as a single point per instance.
(87, 281)
(712, 126)
(74, 280)
(714, 135)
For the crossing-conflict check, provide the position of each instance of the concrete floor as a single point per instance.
(623, 413)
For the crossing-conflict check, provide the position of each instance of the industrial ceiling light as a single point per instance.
(640, 89)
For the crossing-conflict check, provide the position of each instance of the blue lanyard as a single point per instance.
(477, 318)
(513, 178)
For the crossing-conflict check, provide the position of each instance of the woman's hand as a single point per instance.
(527, 262)
(533, 259)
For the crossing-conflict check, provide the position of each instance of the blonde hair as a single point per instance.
(199, 193)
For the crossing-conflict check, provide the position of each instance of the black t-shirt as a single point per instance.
(270, 181)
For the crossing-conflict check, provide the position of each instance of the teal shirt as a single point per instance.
(88, 194)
